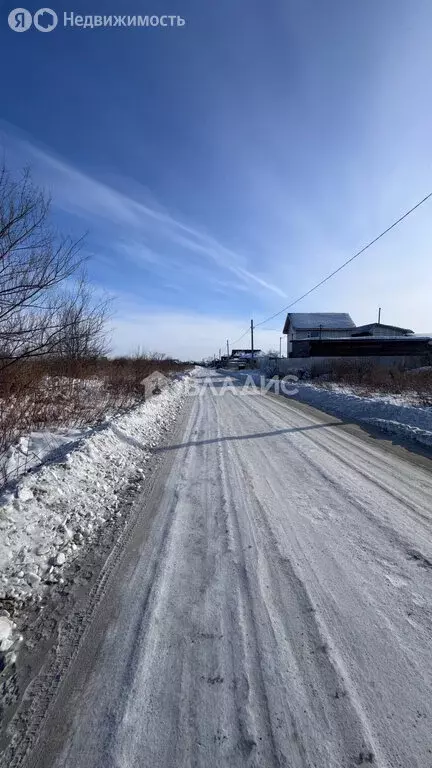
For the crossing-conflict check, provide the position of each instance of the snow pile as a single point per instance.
(9, 640)
(55, 510)
(32, 450)
(391, 413)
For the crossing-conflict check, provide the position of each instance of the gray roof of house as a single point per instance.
(309, 320)
(369, 327)
(366, 339)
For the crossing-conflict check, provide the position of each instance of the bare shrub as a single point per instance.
(369, 376)
(56, 392)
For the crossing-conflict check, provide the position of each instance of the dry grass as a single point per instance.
(49, 394)
(368, 377)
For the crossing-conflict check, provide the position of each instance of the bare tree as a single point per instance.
(34, 261)
(141, 354)
(82, 323)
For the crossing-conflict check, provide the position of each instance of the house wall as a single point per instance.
(385, 332)
(300, 364)
(325, 333)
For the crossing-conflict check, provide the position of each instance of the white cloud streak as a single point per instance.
(78, 193)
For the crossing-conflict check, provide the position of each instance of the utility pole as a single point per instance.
(252, 340)
(379, 316)
(280, 346)
(220, 353)
(227, 347)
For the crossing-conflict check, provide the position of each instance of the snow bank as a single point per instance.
(403, 430)
(389, 412)
(56, 509)
(34, 449)
(393, 414)
(10, 641)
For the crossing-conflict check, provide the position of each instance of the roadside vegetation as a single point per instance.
(368, 377)
(54, 328)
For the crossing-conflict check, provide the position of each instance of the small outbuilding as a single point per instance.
(379, 329)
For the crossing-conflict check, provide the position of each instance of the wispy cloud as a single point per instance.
(80, 194)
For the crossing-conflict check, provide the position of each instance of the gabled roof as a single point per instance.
(306, 321)
(366, 328)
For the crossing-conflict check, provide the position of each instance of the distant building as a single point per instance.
(380, 329)
(243, 358)
(312, 334)
(317, 325)
(245, 353)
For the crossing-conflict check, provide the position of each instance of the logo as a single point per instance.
(45, 20)
(20, 20)
(153, 384)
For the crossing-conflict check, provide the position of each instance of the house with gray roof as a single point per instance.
(317, 325)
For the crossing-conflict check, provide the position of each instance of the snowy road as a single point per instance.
(279, 612)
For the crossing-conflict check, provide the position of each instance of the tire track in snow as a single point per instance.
(339, 446)
(289, 455)
(297, 641)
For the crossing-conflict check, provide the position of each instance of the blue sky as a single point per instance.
(222, 168)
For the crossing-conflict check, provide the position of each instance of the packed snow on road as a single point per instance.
(274, 609)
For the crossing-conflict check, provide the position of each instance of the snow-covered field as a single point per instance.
(53, 512)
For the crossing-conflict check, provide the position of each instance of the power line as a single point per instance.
(233, 343)
(339, 269)
(240, 338)
(356, 255)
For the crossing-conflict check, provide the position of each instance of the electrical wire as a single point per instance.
(342, 266)
(233, 343)
(339, 269)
